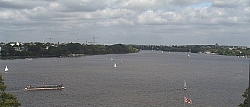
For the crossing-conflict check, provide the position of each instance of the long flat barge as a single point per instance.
(45, 87)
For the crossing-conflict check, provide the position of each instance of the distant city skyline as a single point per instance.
(146, 22)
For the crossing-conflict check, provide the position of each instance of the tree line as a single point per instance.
(213, 49)
(38, 49)
(62, 50)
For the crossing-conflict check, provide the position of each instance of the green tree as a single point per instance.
(34, 49)
(7, 99)
(132, 50)
(245, 102)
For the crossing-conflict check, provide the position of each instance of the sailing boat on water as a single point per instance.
(6, 69)
(185, 85)
(240, 72)
(115, 65)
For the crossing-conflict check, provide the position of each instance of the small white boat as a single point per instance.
(6, 69)
(188, 55)
(115, 65)
(28, 59)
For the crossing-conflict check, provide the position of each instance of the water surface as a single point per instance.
(148, 78)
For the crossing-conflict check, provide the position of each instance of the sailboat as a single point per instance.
(240, 72)
(188, 55)
(185, 85)
(115, 65)
(6, 69)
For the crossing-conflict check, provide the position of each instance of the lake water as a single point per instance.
(147, 78)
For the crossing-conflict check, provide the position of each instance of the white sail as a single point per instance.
(115, 65)
(6, 69)
(185, 85)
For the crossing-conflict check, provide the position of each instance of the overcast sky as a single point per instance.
(156, 22)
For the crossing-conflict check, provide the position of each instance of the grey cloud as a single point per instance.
(186, 2)
(10, 5)
(84, 6)
(21, 4)
(226, 3)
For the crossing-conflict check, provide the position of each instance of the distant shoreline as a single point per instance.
(27, 57)
(79, 55)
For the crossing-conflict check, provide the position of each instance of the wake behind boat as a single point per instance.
(45, 87)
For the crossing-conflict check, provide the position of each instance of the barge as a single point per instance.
(45, 87)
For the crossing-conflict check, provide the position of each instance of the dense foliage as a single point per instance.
(38, 49)
(7, 99)
(245, 102)
(61, 50)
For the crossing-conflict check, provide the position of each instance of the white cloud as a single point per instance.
(198, 18)
(85, 5)
(246, 11)
(54, 5)
(227, 3)
(151, 18)
(115, 22)
(107, 13)
(173, 16)
(12, 15)
(184, 2)
(138, 4)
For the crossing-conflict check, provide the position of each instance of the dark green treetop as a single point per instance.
(7, 99)
(245, 102)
